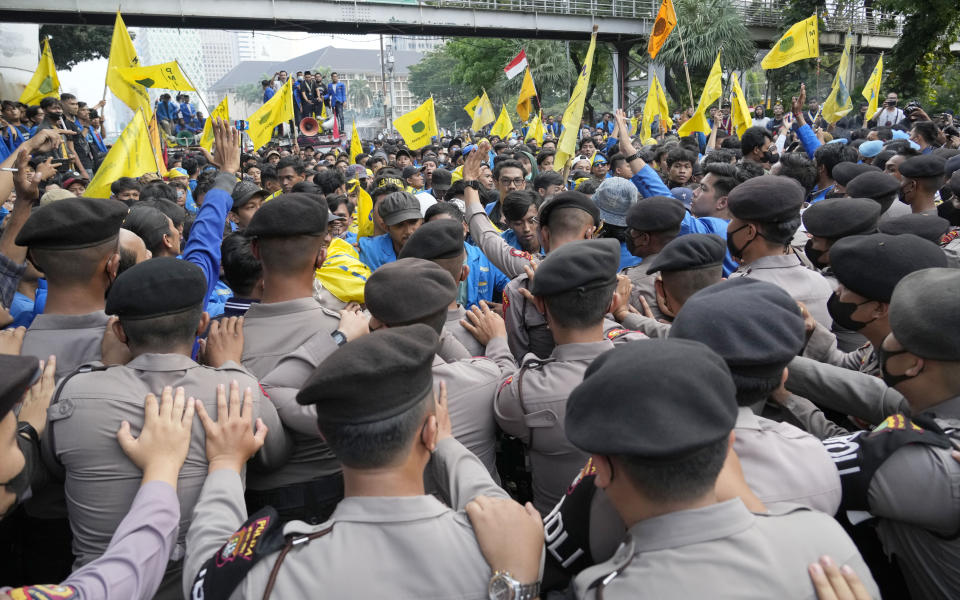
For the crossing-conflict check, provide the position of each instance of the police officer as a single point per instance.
(159, 303)
(766, 214)
(881, 188)
(922, 178)
(659, 456)
(934, 228)
(375, 402)
(651, 225)
(845, 172)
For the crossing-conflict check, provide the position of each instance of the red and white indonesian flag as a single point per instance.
(517, 65)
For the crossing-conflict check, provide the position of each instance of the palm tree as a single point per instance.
(360, 94)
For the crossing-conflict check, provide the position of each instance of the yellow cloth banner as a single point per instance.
(799, 42)
(712, 90)
(843, 69)
(364, 218)
(44, 83)
(483, 113)
(503, 126)
(417, 126)
(472, 106)
(527, 93)
(222, 111)
(742, 120)
(130, 156)
(122, 56)
(356, 146)
(567, 144)
(342, 273)
(535, 129)
(666, 21)
(154, 131)
(871, 91)
(839, 103)
(275, 111)
(167, 75)
(655, 106)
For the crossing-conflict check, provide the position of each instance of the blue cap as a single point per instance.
(683, 194)
(900, 135)
(871, 148)
(613, 198)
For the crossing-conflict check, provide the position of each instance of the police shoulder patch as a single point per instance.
(520, 254)
(617, 332)
(44, 592)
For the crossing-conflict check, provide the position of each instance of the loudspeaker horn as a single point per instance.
(309, 126)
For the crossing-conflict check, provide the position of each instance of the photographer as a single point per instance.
(890, 115)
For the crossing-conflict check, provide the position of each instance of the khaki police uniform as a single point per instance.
(643, 286)
(454, 328)
(503, 256)
(801, 283)
(74, 339)
(822, 346)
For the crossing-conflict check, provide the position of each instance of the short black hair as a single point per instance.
(544, 155)
(241, 269)
(268, 172)
(161, 334)
(335, 200)
(722, 156)
(725, 177)
(547, 178)
(329, 180)
(797, 166)
(123, 184)
(205, 182)
(517, 203)
(677, 480)
(754, 137)
(158, 190)
(830, 155)
(190, 165)
(507, 164)
(444, 208)
(173, 210)
(47, 102)
(291, 161)
(751, 390)
(681, 155)
(780, 232)
(928, 130)
(579, 309)
(149, 223)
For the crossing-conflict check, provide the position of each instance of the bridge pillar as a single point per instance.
(622, 68)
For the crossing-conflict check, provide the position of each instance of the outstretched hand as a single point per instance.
(164, 440)
(231, 440)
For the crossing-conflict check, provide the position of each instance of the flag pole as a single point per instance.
(686, 69)
(156, 159)
(199, 97)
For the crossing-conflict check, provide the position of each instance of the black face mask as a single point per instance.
(18, 486)
(882, 357)
(815, 255)
(732, 248)
(841, 313)
(771, 157)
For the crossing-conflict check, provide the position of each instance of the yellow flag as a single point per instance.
(166, 75)
(799, 42)
(122, 56)
(503, 126)
(44, 83)
(666, 21)
(871, 91)
(222, 111)
(535, 129)
(472, 106)
(356, 146)
(275, 111)
(712, 90)
(482, 113)
(655, 106)
(364, 212)
(837, 104)
(130, 156)
(843, 68)
(567, 143)
(634, 123)
(742, 120)
(155, 143)
(417, 126)
(527, 93)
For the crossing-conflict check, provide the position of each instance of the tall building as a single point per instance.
(159, 45)
(246, 48)
(409, 43)
(221, 52)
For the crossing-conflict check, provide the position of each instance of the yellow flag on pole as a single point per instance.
(364, 211)
(567, 143)
(712, 90)
(527, 93)
(664, 24)
(482, 113)
(843, 68)
(655, 106)
(275, 111)
(131, 156)
(535, 129)
(417, 126)
(356, 146)
(44, 83)
(154, 131)
(122, 56)
(222, 111)
(871, 91)
(167, 75)
(472, 106)
(742, 120)
(503, 126)
(799, 42)
(839, 103)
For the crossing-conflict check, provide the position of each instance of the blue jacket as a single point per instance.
(167, 111)
(336, 93)
(268, 93)
(218, 300)
(484, 280)
(608, 126)
(627, 259)
(203, 245)
(376, 251)
(808, 139)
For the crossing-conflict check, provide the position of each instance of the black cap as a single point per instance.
(635, 402)
(373, 378)
(409, 290)
(410, 171)
(952, 165)
(873, 185)
(289, 215)
(689, 252)
(398, 207)
(755, 325)
(929, 227)
(835, 218)
(767, 199)
(872, 265)
(658, 213)
(923, 313)
(442, 238)
(155, 288)
(845, 172)
(19, 373)
(583, 264)
(73, 223)
(568, 200)
(244, 191)
(403, 152)
(925, 165)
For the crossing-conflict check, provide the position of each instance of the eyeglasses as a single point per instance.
(518, 181)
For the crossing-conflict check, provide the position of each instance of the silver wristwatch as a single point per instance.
(504, 587)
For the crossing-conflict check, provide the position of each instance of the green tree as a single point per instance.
(252, 93)
(360, 95)
(72, 44)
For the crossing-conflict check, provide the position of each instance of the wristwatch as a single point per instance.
(633, 157)
(339, 337)
(473, 183)
(504, 587)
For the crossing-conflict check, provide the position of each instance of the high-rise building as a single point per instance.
(246, 48)
(159, 45)
(221, 52)
(409, 43)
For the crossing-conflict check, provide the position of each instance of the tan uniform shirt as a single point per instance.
(801, 283)
(822, 347)
(454, 328)
(643, 286)
(74, 339)
(503, 256)
(326, 297)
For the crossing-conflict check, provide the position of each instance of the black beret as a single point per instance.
(72, 224)
(873, 185)
(845, 172)
(398, 207)
(373, 378)
(658, 213)
(569, 200)
(289, 215)
(871, 265)
(755, 325)
(952, 165)
(243, 191)
(442, 238)
(923, 313)
(929, 227)
(408, 290)
(583, 264)
(767, 199)
(688, 252)
(19, 373)
(835, 218)
(925, 165)
(157, 287)
(635, 402)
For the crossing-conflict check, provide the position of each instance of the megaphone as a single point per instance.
(328, 124)
(309, 126)
(186, 138)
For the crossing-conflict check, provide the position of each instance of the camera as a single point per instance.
(911, 107)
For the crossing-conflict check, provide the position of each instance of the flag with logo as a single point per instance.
(662, 26)
(364, 219)
(503, 126)
(483, 113)
(131, 156)
(527, 93)
(122, 56)
(843, 69)
(44, 83)
(517, 65)
(418, 126)
(356, 146)
(275, 111)
(156, 142)
(472, 106)
(535, 129)
(655, 106)
(871, 91)
(742, 120)
(567, 144)
(799, 42)
(839, 103)
(222, 111)
(712, 90)
(167, 75)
